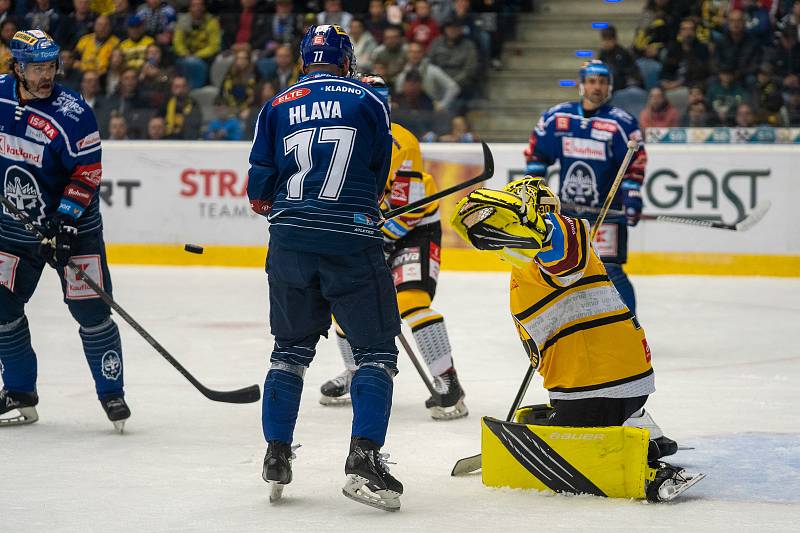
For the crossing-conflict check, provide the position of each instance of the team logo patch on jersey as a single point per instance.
(91, 175)
(21, 188)
(601, 135)
(36, 135)
(562, 123)
(77, 289)
(647, 355)
(69, 106)
(583, 148)
(604, 126)
(434, 265)
(580, 184)
(8, 270)
(17, 149)
(111, 365)
(400, 191)
(289, 96)
(43, 125)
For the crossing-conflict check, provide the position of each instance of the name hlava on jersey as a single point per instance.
(319, 110)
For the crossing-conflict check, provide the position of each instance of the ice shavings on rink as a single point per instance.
(727, 367)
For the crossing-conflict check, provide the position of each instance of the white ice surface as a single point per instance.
(727, 369)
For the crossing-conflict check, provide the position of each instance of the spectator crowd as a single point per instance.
(202, 69)
(707, 63)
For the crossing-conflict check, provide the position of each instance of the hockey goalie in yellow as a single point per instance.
(578, 333)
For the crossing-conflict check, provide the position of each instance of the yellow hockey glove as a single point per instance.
(500, 221)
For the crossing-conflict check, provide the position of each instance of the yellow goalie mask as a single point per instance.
(509, 222)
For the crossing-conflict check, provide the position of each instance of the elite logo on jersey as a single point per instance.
(23, 191)
(111, 365)
(580, 185)
(294, 94)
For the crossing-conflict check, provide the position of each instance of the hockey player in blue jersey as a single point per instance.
(318, 168)
(589, 139)
(50, 168)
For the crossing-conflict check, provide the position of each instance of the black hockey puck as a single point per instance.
(193, 248)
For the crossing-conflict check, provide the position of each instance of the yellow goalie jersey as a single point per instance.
(407, 183)
(587, 342)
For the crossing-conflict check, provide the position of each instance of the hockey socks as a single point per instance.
(103, 350)
(430, 334)
(17, 358)
(282, 389)
(371, 392)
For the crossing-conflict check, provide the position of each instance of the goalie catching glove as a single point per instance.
(510, 221)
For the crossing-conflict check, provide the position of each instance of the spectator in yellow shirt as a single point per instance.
(196, 42)
(95, 48)
(134, 48)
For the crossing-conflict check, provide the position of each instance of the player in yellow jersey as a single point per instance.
(412, 243)
(577, 331)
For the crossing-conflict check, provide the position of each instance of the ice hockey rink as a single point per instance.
(727, 366)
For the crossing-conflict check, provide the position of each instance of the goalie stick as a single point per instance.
(488, 172)
(467, 465)
(623, 168)
(246, 395)
(743, 225)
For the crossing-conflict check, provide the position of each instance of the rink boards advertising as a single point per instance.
(156, 196)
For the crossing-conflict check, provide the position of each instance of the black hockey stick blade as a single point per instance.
(246, 395)
(488, 172)
(473, 463)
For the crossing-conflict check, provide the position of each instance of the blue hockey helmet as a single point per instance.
(328, 44)
(595, 67)
(33, 46)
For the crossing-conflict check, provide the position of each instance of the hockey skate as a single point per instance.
(368, 478)
(450, 404)
(23, 403)
(337, 390)
(277, 470)
(117, 411)
(670, 482)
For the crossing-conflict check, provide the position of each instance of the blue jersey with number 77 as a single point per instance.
(319, 164)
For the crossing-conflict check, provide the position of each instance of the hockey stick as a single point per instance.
(623, 168)
(246, 395)
(743, 225)
(418, 366)
(467, 465)
(488, 172)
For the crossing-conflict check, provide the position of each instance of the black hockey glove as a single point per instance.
(60, 232)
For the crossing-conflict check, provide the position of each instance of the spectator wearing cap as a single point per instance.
(725, 93)
(119, 18)
(659, 111)
(790, 112)
(134, 48)
(392, 52)
(623, 68)
(687, 59)
(376, 21)
(75, 25)
(363, 44)
(334, 14)
(737, 49)
(94, 49)
(423, 29)
(197, 41)
(43, 17)
(439, 87)
(246, 25)
(785, 57)
(457, 57)
(159, 20)
(181, 112)
(412, 108)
